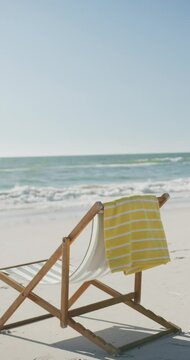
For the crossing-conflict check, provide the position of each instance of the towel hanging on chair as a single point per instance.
(133, 234)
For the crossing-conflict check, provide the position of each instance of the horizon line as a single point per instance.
(94, 154)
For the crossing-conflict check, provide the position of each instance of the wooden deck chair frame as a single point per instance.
(64, 313)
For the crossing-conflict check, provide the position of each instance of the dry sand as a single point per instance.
(166, 291)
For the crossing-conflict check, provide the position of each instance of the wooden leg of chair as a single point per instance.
(25, 292)
(151, 315)
(109, 348)
(141, 309)
(137, 289)
(52, 310)
(65, 282)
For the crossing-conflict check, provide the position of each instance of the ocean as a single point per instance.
(53, 184)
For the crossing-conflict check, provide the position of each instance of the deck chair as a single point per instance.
(57, 268)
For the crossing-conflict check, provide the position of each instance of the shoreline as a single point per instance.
(79, 207)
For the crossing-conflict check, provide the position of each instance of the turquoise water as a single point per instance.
(57, 182)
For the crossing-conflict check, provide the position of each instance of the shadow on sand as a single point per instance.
(170, 347)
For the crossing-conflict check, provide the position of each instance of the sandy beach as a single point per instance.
(165, 291)
(94, 108)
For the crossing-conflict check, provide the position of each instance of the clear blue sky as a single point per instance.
(94, 76)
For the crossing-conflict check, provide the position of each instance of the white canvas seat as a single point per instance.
(92, 266)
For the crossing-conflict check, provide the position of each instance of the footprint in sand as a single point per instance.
(45, 357)
(177, 251)
(6, 332)
(50, 358)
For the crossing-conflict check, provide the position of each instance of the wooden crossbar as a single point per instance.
(145, 340)
(100, 305)
(27, 321)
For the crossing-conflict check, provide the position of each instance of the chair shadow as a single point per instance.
(170, 347)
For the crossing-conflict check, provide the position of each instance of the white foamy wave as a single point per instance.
(30, 197)
(113, 165)
(14, 170)
(139, 164)
(170, 159)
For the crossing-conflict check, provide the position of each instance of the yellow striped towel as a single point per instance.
(134, 235)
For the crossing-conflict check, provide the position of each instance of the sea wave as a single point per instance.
(64, 167)
(31, 197)
(129, 165)
(13, 170)
(170, 159)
